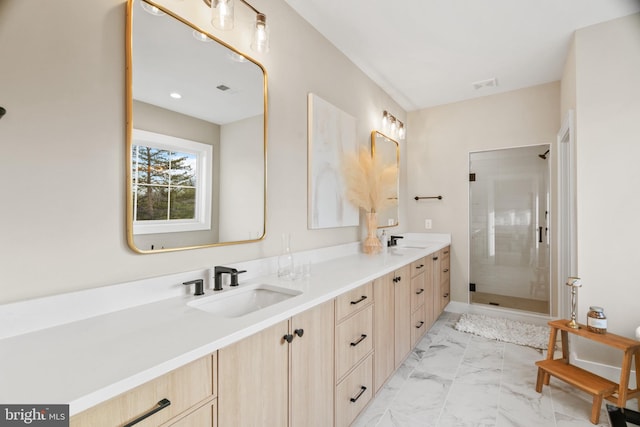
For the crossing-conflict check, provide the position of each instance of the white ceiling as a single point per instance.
(429, 52)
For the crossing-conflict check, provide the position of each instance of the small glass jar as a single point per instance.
(596, 320)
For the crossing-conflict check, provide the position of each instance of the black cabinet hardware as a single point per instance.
(420, 291)
(419, 325)
(446, 270)
(435, 258)
(362, 337)
(446, 295)
(161, 405)
(364, 297)
(299, 332)
(362, 390)
(419, 266)
(288, 338)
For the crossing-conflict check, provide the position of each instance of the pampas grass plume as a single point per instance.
(370, 184)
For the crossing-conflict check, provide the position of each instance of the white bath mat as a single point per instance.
(506, 330)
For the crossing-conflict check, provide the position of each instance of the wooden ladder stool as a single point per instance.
(598, 387)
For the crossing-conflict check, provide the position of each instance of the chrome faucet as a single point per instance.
(219, 271)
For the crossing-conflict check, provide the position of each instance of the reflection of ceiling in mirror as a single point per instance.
(167, 58)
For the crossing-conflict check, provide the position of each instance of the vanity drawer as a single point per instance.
(418, 291)
(183, 388)
(418, 266)
(418, 324)
(354, 392)
(205, 416)
(354, 340)
(353, 301)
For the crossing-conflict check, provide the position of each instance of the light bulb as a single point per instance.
(222, 15)
(260, 41)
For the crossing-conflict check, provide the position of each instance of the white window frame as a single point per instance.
(204, 166)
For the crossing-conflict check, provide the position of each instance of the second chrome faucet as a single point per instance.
(219, 271)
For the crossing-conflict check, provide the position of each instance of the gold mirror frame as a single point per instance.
(390, 152)
(130, 129)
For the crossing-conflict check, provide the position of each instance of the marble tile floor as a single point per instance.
(454, 379)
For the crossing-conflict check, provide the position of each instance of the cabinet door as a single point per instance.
(312, 384)
(383, 329)
(402, 308)
(253, 380)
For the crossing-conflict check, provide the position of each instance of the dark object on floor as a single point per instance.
(493, 303)
(622, 417)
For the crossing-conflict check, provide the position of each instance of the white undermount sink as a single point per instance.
(243, 300)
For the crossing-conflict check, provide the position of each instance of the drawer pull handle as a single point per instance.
(446, 270)
(446, 295)
(362, 390)
(161, 405)
(362, 337)
(419, 325)
(420, 291)
(288, 338)
(419, 266)
(446, 252)
(435, 258)
(364, 297)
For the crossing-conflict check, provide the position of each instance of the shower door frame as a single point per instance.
(552, 294)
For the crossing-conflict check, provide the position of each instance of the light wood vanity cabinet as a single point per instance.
(421, 287)
(402, 313)
(190, 391)
(441, 280)
(383, 329)
(265, 380)
(445, 282)
(353, 353)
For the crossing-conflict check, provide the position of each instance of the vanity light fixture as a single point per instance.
(222, 18)
(392, 126)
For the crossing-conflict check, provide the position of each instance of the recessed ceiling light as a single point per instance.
(493, 82)
(175, 95)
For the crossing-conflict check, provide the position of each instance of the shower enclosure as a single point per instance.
(509, 228)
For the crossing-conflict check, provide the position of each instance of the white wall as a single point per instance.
(62, 221)
(241, 204)
(439, 140)
(607, 76)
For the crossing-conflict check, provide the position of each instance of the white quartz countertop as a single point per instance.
(88, 361)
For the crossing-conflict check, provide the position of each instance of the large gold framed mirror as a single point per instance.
(196, 136)
(388, 151)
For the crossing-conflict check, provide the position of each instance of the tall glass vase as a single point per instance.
(285, 260)
(371, 244)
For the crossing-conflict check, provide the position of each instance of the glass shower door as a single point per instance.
(509, 228)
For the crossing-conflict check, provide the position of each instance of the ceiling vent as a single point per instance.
(485, 83)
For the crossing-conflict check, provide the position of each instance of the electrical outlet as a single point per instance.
(427, 224)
